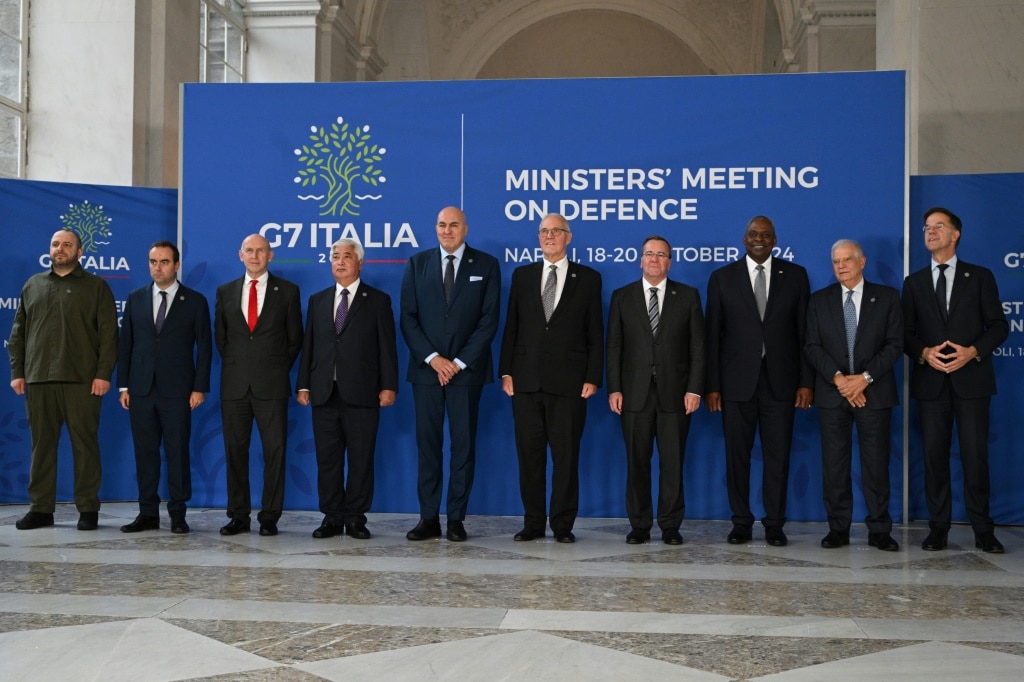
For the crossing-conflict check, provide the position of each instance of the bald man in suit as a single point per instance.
(258, 330)
(757, 375)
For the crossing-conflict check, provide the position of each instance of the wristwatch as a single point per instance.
(868, 378)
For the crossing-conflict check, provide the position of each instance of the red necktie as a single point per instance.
(253, 307)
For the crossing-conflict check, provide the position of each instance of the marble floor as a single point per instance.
(107, 606)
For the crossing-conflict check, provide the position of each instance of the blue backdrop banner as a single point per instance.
(988, 205)
(692, 159)
(117, 224)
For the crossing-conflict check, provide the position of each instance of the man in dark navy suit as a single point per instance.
(953, 322)
(348, 371)
(163, 372)
(755, 319)
(258, 331)
(450, 301)
(655, 380)
(854, 337)
(552, 354)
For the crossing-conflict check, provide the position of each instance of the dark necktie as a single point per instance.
(940, 292)
(253, 305)
(341, 313)
(161, 312)
(652, 310)
(449, 278)
(850, 318)
(547, 296)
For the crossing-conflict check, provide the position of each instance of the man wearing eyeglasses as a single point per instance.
(655, 379)
(953, 321)
(551, 362)
(756, 318)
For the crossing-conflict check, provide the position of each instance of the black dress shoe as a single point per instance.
(34, 520)
(883, 541)
(987, 543)
(638, 537)
(672, 537)
(178, 525)
(328, 529)
(235, 526)
(739, 535)
(456, 531)
(527, 535)
(835, 539)
(935, 541)
(268, 528)
(424, 530)
(88, 520)
(565, 537)
(775, 537)
(141, 523)
(357, 531)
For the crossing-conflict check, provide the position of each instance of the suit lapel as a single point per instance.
(961, 281)
(354, 306)
(462, 276)
(567, 288)
(742, 283)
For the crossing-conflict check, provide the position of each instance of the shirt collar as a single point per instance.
(752, 264)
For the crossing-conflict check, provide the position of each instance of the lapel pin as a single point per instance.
(967, 274)
(573, 274)
(872, 300)
(181, 298)
(469, 260)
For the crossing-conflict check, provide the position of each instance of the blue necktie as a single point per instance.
(850, 318)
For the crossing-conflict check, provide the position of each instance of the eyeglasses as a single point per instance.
(658, 254)
(553, 231)
(934, 228)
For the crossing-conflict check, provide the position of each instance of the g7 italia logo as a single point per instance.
(337, 160)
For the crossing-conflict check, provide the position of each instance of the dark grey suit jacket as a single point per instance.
(259, 360)
(877, 346)
(675, 353)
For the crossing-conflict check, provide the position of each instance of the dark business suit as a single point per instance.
(254, 384)
(757, 392)
(462, 329)
(877, 346)
(975, 319)
(344, 374)
(549, 361)
(160, 371)
(654, 371)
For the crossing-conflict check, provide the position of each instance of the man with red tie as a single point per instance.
(258, 330)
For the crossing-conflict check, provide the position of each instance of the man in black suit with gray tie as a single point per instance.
(258, 331)
(551, 362)
(348, 371)
(953, 321)
(163, 372)
(655, 378)
(755, 319)
(854, 337)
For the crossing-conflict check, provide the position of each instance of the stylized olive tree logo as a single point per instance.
(88, 222)
(339, 157)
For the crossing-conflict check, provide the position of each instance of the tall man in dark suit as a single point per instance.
(348, 371)
(656, 369)
(756, 316)
(258, 330)
(854, 337)
(953, 322)
(163, 372)
(450, 300)
(551, 362)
